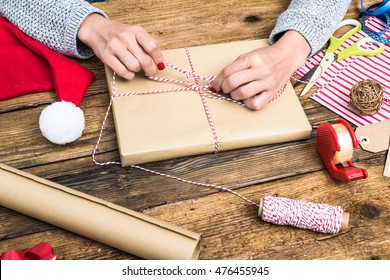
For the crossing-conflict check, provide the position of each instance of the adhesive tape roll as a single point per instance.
(345, 142)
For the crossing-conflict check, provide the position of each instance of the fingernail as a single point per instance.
(161, 66)
(213, 89)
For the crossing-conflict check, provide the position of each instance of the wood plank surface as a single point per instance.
(230, 227)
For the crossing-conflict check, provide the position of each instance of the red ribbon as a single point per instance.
(42, 251)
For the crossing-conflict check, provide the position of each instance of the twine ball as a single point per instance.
(366, 97)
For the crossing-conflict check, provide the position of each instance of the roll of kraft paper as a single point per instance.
(105, 222)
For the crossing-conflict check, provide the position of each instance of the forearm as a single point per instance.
(315, 20)
(54, 23)
(292, 49)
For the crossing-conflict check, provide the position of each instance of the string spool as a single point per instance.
(303, 214)
(366, 97)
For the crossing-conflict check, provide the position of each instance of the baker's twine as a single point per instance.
(203, 89)
(205, 92)
(302, 214)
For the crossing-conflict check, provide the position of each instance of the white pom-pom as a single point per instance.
(62, 122)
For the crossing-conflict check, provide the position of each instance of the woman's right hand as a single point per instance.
(125, 48)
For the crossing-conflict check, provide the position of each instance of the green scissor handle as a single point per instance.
(357, 49)
(335, 43)
(354, 49)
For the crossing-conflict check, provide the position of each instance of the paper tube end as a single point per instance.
(195, 255)
(261, 203)
(345, 222)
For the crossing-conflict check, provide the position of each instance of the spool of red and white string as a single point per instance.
(303, 214)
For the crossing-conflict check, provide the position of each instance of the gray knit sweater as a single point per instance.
(316, 20)
(53, 22)
(56, 22)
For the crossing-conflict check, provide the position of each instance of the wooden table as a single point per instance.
(231, 228)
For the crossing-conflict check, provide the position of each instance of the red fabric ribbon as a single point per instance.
(42, 251)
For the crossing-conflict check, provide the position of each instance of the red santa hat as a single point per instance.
(28, 66)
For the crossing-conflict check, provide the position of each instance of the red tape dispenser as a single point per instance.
(335, 144)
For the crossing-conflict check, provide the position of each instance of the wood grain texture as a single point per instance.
(230, 226)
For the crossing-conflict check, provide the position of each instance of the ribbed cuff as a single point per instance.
(310, 33)
(73, 46)
(316, 24)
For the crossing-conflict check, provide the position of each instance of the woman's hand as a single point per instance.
(257, 77)
(126, 49)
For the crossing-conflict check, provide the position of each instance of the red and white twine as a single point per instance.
(204, 92)
(275, 210)
(302, 214)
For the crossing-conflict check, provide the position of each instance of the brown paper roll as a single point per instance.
(105, 222)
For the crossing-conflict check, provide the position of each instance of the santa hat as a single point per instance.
(29, 66)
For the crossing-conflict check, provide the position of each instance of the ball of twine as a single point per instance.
(366, 97)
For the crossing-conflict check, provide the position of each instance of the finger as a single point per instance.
(128, 59)
(258, 101)
(239, 79)
(117, 66)
(148, 53)
(236, 66)
(248, 90)
(130, 53)
(151, 47)
(145, 62)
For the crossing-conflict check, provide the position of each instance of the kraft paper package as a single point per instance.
(99, 220)
(162, 126)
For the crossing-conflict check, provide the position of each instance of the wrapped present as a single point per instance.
(171, 124)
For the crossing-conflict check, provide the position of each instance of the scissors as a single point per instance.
(334, 44)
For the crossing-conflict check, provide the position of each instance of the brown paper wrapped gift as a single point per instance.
(161, 126)
(95, 218)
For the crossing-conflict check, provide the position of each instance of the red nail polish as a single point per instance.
(213, 89)
(161, 66)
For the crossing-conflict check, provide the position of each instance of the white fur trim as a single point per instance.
(62, 122)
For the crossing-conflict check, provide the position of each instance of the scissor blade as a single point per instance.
(326, 61)
(307, 76)
(312, 81)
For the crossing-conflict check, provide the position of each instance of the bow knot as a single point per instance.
(42, 251)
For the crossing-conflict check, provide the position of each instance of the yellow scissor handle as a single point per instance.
(357, 49)
(335, 43)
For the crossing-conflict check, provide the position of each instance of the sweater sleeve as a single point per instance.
(315, 20)
(54, 23)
